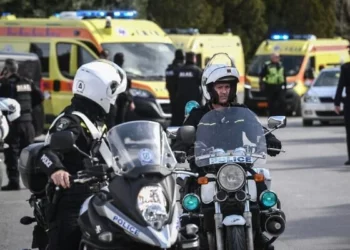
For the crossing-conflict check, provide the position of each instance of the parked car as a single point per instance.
(318, 102)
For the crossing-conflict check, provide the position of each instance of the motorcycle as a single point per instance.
(231, 200)
(134, 200)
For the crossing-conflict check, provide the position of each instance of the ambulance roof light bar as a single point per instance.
(92, 14)
(284, 37)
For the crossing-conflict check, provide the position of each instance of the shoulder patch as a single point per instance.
(62, 123)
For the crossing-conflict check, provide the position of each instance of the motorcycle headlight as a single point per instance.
(140, 93)
(268, 199)
(190, 202)
(231, 177)
(153, 206)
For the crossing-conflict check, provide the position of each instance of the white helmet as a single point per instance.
(219, 68)
(100, 81)
(11, 107)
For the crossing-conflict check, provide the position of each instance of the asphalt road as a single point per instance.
(310, 178)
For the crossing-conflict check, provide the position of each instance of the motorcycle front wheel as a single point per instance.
(235, 238)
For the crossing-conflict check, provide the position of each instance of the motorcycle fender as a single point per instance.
(208, 190)
(234, 220)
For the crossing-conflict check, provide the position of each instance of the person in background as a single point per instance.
(273, 83)
(171, 77)
(344, 82)
(187, 88)
(22, 132)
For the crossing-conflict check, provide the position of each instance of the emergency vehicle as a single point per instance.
(206, 45)
(69, 39)
(303, 56)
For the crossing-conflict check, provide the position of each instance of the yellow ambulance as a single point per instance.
(206, 45)
(303, 56)
(71, 38)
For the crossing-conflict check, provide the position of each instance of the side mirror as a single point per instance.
(186, 134)
(277, 122)
(62, 141)
(171, 132)
(189, 106)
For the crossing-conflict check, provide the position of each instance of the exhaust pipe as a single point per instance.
(274, 225)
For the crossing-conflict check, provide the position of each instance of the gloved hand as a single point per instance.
(273, 142)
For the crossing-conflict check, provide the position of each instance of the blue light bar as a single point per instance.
(103, 13)
(5, 14)
(280, 37)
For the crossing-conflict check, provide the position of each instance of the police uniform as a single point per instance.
(188, 88)
(344, 82)
(86, 122)
(22, 132)
(273, 78)
(170, 79)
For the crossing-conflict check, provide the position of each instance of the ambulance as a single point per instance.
(206, 45)
(303, 56)
(69, 39)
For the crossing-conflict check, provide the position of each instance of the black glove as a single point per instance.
(273, 142)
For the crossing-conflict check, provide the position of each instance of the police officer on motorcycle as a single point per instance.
(22, 132)
(95, 88)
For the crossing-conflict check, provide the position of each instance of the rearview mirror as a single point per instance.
(171, 132)
(186, 134)
(189, 106)
(277, 122)
(62, 141)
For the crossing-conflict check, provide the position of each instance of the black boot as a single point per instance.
(11, 187)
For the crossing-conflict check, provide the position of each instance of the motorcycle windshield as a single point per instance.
(140, 144)
(230, 135)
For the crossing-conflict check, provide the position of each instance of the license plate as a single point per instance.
(262, 104)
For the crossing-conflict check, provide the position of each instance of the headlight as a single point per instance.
(153, 206)
(190, 202)
(231, 177)
(311, 99)
(140, 93)
(268, 199)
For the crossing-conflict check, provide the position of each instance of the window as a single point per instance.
(84, 56)
(91, 46)
(64, 58)
(42, 50)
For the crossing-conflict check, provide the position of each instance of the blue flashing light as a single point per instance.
(5, 14)
(189, 106)
(103, 13)
(280, 37)
(268, 199)
(191, 202)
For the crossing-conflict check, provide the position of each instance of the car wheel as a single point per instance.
(307, 123)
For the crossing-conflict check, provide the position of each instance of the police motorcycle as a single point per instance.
(10, 110)
(134, 204)
(231, 200)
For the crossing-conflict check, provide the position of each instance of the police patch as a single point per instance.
(62, 124)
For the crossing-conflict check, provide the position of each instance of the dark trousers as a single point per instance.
(64, 232)
(276, 98)
(21, 134)
(347, 122)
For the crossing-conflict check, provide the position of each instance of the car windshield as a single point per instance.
(143, 60)
(292, 64)
(327, 79)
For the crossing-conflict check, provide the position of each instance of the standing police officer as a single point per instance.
(344, 82)
(22, 132)
(171, 77)
(273, 82)
(187, 88)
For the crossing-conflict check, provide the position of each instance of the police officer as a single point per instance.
(22, 132)
(219, 86)
(344, 82)
(187, 88)
(170, 77)
(273, 83)
(125, 101)
(95, 88)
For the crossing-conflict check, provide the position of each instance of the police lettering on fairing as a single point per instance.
(126, 225)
